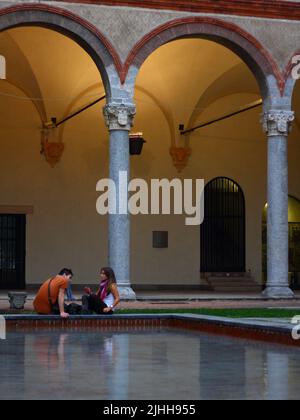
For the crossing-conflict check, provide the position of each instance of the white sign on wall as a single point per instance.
(2, 67)
(2, 328)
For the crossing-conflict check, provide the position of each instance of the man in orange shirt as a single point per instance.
(51, 296)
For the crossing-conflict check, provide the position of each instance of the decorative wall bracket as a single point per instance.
(52, 150)
(180, 157)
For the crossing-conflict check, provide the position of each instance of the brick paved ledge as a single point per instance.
(273, 331)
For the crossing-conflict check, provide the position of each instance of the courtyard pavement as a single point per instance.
(171, 301)
(186, 300)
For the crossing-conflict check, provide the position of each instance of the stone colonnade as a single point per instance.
(119, 81)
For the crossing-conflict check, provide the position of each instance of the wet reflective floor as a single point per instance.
(171, 365)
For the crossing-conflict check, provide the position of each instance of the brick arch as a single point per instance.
(81, 31)
(228, 34)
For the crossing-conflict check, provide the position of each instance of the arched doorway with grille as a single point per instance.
(223, 231)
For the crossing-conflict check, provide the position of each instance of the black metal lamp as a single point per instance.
(136, 143)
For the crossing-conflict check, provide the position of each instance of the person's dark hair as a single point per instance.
(109, 272)
(66, 272)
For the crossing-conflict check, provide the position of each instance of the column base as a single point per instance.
(126, 292)
(278, 292)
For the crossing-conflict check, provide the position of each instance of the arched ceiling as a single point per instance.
(229, 83)
(183, 77)
(189, 75)
(25, 79)
(50, 68)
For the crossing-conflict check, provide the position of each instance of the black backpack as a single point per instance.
(73, 309)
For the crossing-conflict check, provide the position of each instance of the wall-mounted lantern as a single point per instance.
(136, 143)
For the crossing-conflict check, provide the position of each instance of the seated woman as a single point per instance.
(107, 297)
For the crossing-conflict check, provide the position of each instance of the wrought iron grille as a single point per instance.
(294, 254)
(12, 251)
(223, 230)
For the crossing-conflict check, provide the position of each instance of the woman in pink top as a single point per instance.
(107, 297)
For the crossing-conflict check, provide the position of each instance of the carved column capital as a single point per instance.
(278, 123)
(119, 117)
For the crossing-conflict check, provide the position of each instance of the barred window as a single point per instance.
(12, 251)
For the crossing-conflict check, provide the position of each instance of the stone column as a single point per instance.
(119, 120)
(277, 125)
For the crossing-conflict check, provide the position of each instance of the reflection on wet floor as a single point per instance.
(160, 365)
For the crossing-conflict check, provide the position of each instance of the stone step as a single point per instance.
(234, 281)
(231, 279)
(236, 287)
(236, 284)
(237, 290)
(231, 275)
(231, 283)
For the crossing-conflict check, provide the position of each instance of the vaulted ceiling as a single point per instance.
(184, 78)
